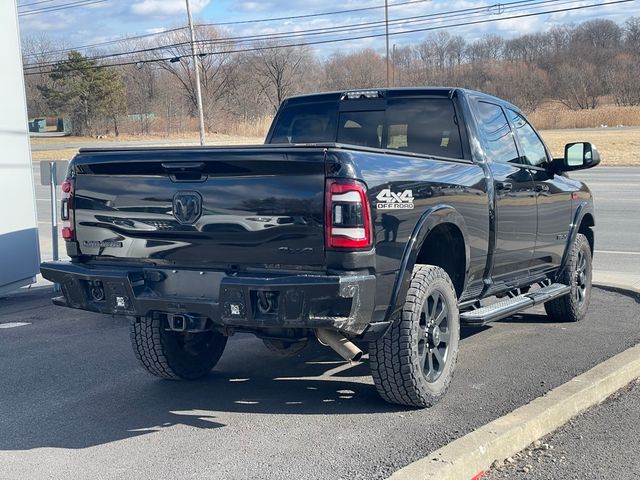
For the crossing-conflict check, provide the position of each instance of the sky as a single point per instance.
(107, 20)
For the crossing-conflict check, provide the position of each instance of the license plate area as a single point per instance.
(193, 284)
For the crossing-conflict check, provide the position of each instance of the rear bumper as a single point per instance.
(341, 302)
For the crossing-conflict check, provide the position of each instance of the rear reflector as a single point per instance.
(348, 215)
(67, 213)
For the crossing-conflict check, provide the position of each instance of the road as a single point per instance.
(75, 404)
(617, 201)
(617, 198)
(601, 443)
(41, 147)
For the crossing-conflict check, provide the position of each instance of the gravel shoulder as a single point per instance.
(602, 443)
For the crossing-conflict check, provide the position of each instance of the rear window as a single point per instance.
(423, 125)
(306, 123)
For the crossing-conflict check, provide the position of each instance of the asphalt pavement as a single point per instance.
(602, 444)
(75, 404)
(616, 192)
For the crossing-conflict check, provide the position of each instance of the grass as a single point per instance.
(556, 116)
(74, 143)
(617, 146)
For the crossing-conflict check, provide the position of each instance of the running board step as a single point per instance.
(506, 308)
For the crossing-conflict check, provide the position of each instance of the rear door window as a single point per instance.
(494, 126)
(533, 151)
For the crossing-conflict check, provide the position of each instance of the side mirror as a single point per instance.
(578, 156)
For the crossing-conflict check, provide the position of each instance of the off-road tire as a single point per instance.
(174, 355)
(573, 306)
(397, 364)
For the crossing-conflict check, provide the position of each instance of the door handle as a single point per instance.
(504, 186)
(542, 187)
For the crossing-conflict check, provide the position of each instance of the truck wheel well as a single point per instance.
(444, 248)
(586, 229)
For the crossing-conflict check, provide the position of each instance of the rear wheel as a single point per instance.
(577, 274)
(174, 355)
(413, 363)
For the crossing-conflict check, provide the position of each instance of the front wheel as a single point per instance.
(413, 363)
(577, 274)
(174, 355)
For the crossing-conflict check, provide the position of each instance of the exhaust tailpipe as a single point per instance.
(338, 342)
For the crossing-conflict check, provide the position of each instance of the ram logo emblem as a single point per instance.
(187, 207)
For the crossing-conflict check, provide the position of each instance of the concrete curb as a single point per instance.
(468, 457)
(623, 282)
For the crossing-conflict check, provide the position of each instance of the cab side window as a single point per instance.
(533, 151)
(495, 129)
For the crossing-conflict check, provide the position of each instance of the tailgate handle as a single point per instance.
(185, 171)
(183, 166)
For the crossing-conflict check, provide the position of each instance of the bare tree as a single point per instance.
(623, 78)
(576, 85)
(361, 69)
(599, 33)
(490, 48)
(523, 84)
(632, 35)
(215, 63)
(279, 70)
(39, 52)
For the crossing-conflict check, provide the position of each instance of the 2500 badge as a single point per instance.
(97, 244)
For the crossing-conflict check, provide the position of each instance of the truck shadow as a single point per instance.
(250, 380)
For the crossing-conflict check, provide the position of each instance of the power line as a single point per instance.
(336, 12)
(347, 28)
(55, 8)
(109, 42)
(310, 15)
(35, 3)
(361, 37)
(442, 16)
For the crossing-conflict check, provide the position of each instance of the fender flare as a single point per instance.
(583, 209)
(430, 219)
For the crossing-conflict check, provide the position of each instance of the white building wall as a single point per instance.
(19, 252)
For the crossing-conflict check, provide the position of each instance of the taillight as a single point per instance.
(347, 215)
(66, 215)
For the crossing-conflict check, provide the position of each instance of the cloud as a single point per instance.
(165, 8)
(252, 6)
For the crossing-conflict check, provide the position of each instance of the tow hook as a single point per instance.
(187, 323)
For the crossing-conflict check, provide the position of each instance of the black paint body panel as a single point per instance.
(262, 213)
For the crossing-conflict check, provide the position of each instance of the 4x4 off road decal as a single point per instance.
(388, 200)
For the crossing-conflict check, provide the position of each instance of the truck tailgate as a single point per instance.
(233, 206)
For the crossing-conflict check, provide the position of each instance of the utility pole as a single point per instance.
(196, 67)
(386, 36)
(393, 63)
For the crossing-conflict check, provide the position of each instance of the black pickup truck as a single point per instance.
(379, 217)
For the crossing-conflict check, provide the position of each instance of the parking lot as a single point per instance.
(77, 405)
